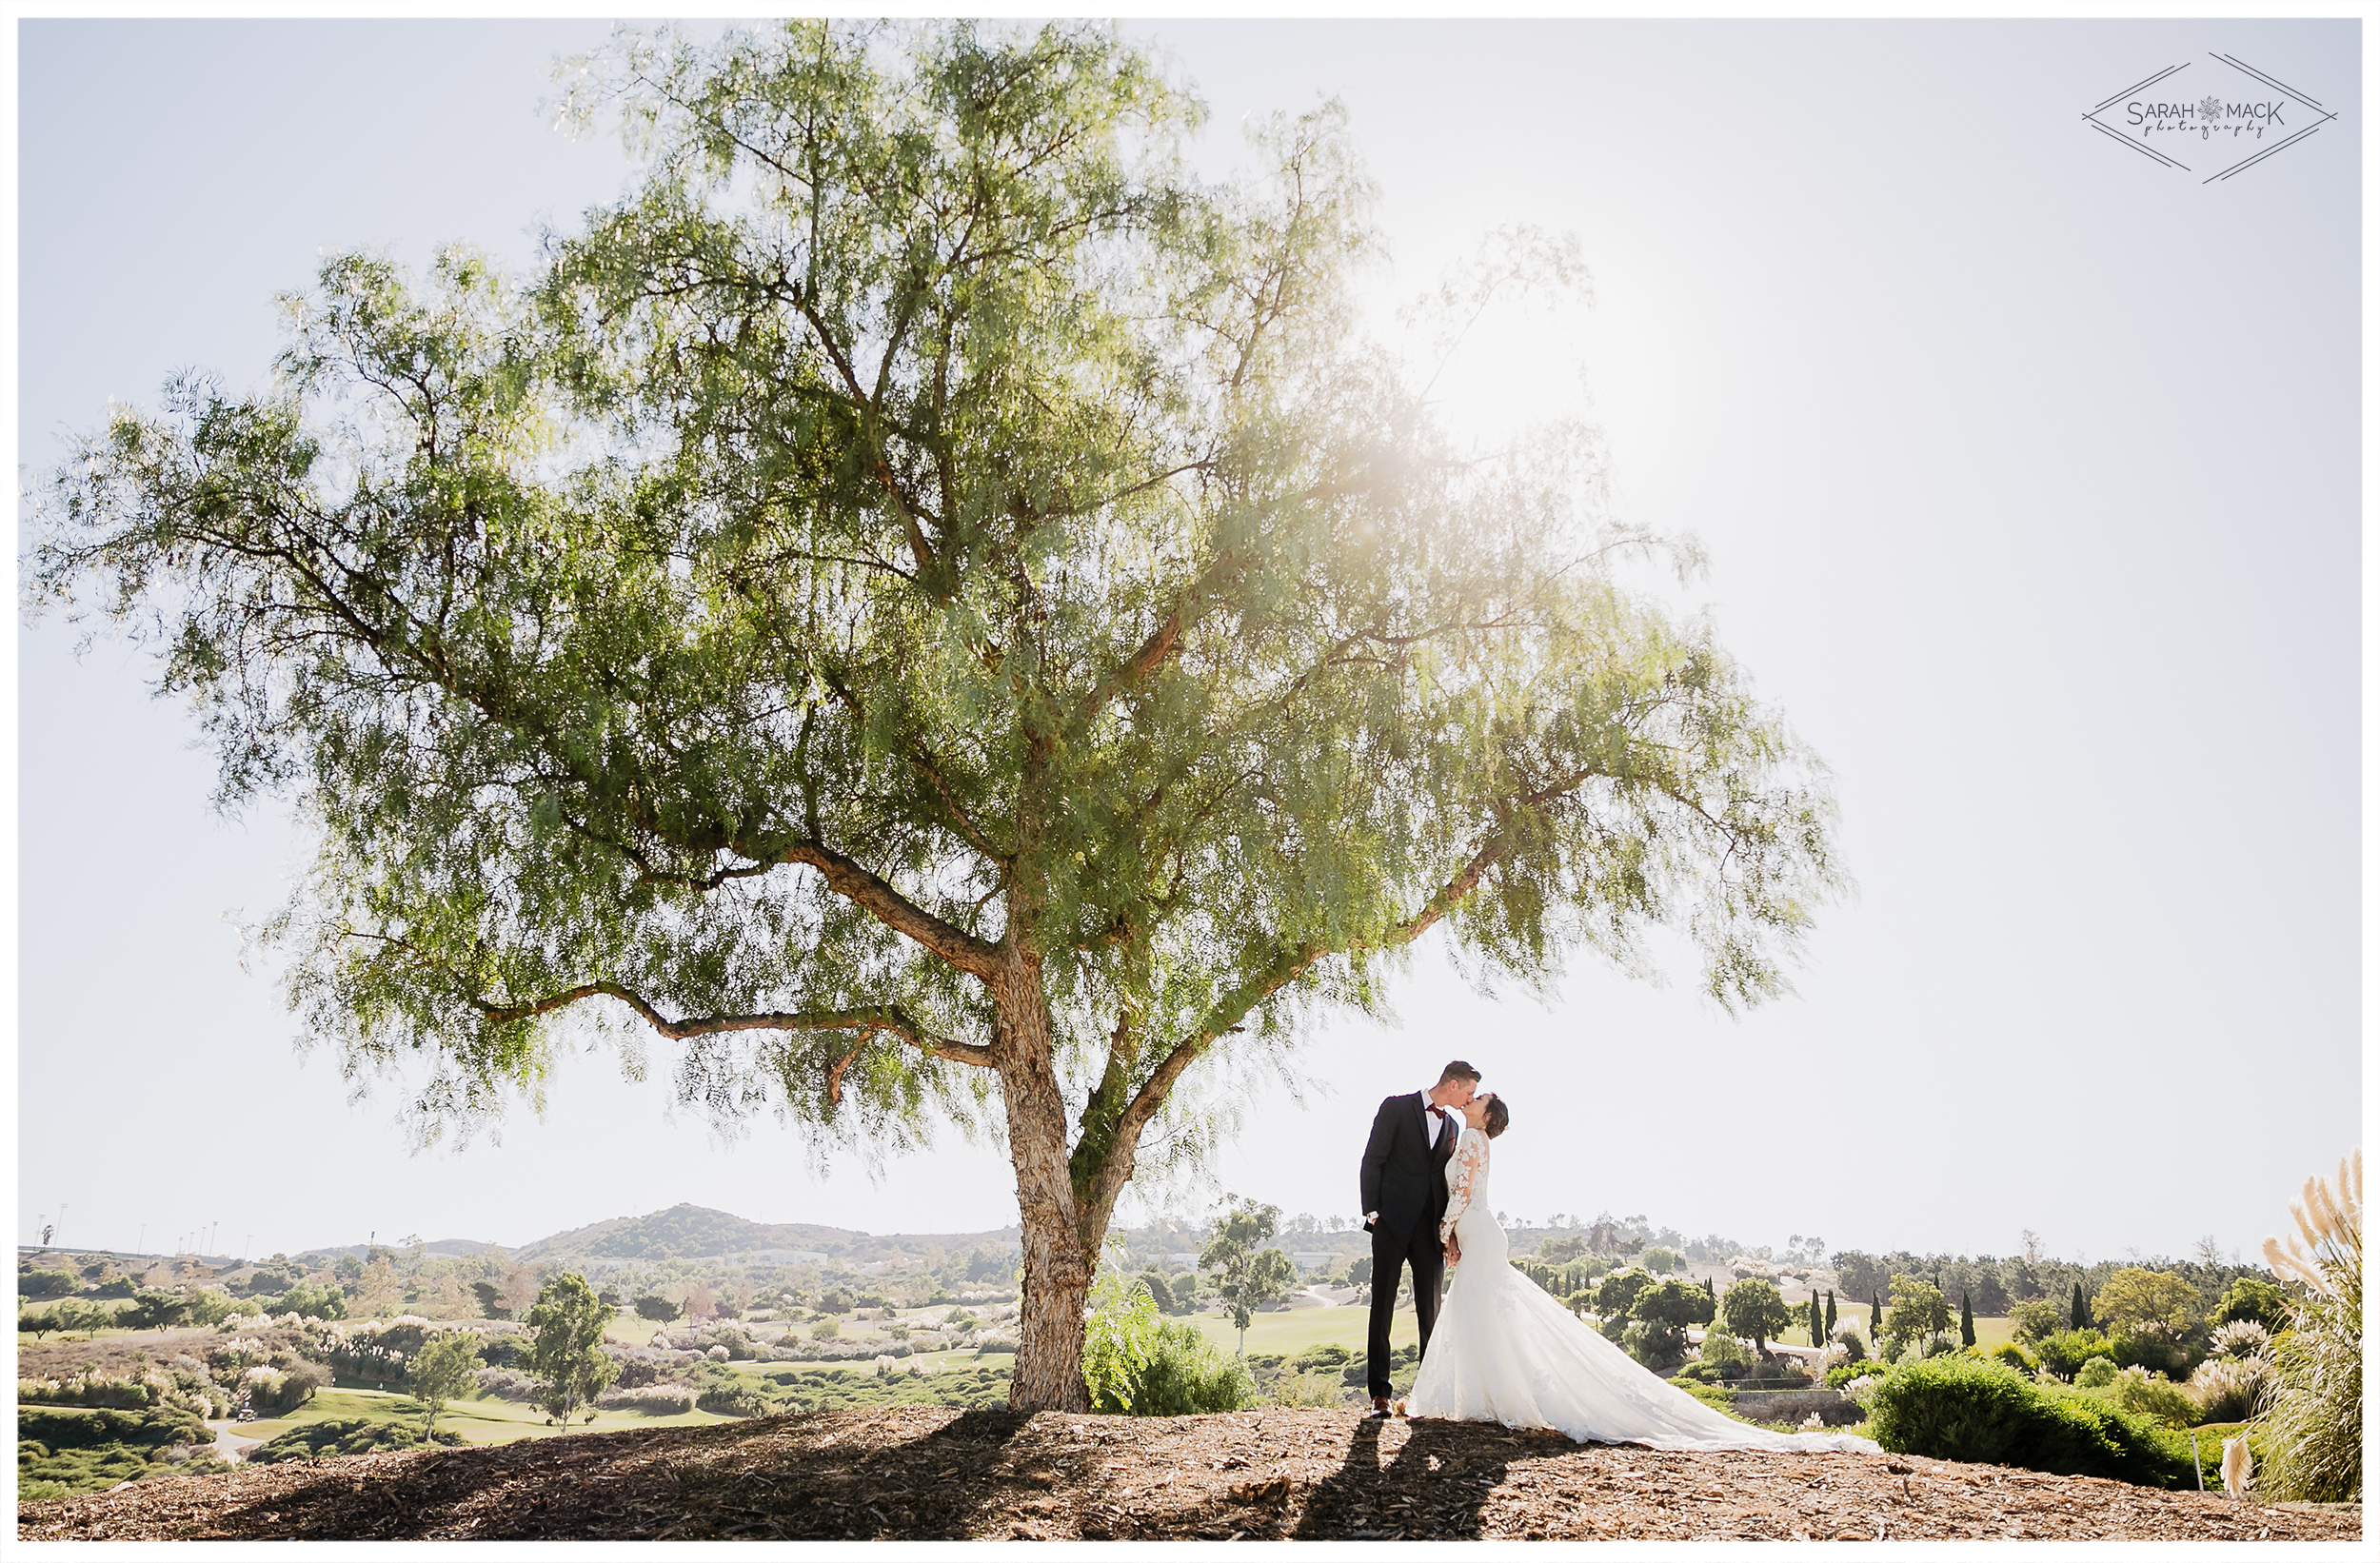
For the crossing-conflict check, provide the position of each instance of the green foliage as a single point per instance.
(1843, 1373)
(1956, 1408)
(1247, 1277)
(1137, 1363)
(1659, 1259)
(730, 1401)
(338, 1435)
(1615, 1293)
(1675, 1303)
(44, 1472)
(659, 1309)
(1754, 1310)
(2035, 1319)
(2010, 1354)
(924, 569)
(1966, 1321)
(1653, 1342)
(59, 1427)
(442, 1370)
(312, 1301)
(1917, 1309)
(567, 1323)
(2254, 1299)
(2065, 1353)
(2149, 1395)
(46, 1283)
(2078, 1312)
(2145, 1302)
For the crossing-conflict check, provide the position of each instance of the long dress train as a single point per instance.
(1504, 1351)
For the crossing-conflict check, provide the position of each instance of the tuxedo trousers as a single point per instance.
(1390, 1253)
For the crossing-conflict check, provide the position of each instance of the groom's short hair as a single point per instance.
(1457, 1071)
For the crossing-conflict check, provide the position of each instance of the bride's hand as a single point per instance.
(1454, 1251)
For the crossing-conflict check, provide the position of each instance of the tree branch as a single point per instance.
(889, 1019)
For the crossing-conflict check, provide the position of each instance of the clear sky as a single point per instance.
(2029, 473)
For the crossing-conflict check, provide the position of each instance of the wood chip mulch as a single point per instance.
(936, 1472)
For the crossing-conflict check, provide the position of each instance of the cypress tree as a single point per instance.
(1875, 1316)
(1966, 1321)
(1817, 1324)
(2078, 1316)
(1829, 1315)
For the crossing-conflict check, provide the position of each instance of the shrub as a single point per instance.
(1659, 1260)
(1722, 1350)
(344, 1436)
(1849, 1373)
(1310, 1387)
(506, 1384)
(46, 1283)
(2065, 1353)
(2098, 1374)
(730, 1400)
(2315, 1428)
(1137, 1363)
(825, 1329)
(2146, 1394)
(1854, 1348)
(2152, 1353)
(659, 1309)
(1955, 1407)
(2013, 1355)
(2244, 1337)
(2228, 1388)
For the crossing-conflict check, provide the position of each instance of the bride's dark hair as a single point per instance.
(1498, 1116)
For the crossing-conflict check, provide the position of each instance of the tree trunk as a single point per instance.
(1056, 1273)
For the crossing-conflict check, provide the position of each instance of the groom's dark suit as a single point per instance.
(1404, 1180)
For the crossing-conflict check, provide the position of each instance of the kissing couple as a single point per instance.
(1500, 1349)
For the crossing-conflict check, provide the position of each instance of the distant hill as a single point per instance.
(694, 1231)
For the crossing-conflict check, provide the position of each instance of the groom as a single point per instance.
(1404, 1197)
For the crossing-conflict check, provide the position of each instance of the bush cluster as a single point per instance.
(1137, 1362)
(344, 1436)
(1960, 1408)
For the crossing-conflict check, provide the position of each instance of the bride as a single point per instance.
(1504, 1351)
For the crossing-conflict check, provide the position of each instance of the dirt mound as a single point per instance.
(921, 1473)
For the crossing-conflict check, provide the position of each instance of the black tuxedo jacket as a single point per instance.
(1404, 1176)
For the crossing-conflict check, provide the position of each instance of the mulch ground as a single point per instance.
(935, 1473)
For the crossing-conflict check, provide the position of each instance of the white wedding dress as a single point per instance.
(1504, 1351)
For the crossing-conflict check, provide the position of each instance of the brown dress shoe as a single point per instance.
(1379, 1405)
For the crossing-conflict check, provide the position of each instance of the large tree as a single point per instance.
(933, 610)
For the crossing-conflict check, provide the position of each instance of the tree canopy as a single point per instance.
(936, 612)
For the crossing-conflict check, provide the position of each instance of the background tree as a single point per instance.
(1829, 1315)
(1917, 1309)
(566, 1353)
(1815, 1321)
(442, 1370)
(656, 1308)
(2145, 1302)
(2252, 1297)
(1673, 1303)
(936, 612)
(2036, 1318)
(1966, 1320)
(1249, 1275)
(1754, 1310)
(2078, 1312)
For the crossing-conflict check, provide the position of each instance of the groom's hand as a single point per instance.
(1454, 1251)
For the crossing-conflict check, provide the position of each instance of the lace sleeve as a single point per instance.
(1470, 1160)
